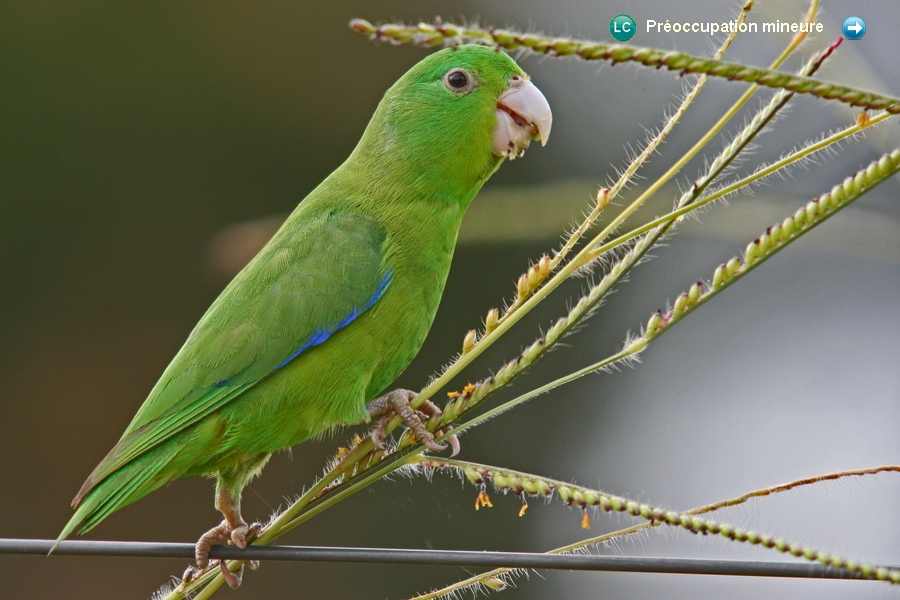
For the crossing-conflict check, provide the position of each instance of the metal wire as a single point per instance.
(460, 558)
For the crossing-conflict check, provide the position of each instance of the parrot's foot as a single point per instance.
(233, 530)
(396, 402)
(239, 536)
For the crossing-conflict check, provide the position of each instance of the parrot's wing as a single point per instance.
(313, 279)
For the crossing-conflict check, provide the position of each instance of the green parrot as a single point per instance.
(337, 303)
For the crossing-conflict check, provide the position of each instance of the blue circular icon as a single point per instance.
(854, 28)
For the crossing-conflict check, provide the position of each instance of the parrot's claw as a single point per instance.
(383, 408)
(242, 534)
(190, 574)
(219, 533)
(454, 442)
(233, 530)
(233, 579)
(238, 535)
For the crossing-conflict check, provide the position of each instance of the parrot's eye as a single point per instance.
(459, 81)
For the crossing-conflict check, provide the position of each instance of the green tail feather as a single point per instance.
(122, 487)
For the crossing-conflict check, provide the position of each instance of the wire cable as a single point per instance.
(459, 558)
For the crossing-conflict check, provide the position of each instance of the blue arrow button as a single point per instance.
(853, 28)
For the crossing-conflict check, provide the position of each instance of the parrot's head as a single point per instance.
(462, 110)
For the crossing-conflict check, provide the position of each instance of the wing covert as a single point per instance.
(313, 278)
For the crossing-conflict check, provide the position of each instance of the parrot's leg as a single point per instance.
(233, 530)
(396, 402)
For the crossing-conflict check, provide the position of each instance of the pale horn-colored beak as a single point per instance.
(522, 114)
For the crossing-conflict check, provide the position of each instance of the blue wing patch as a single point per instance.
(319, 337)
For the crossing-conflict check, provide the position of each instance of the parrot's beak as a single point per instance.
(523, 114)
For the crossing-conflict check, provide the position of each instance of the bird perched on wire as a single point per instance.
(310, 334)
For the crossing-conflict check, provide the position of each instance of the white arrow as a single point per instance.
(855, 28)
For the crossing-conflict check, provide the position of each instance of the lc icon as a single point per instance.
(622, 28)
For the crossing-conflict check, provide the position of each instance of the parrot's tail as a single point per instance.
(127, 484)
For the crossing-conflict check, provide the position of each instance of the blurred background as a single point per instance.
(146, 149)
